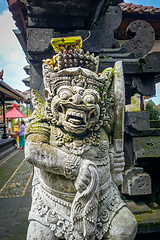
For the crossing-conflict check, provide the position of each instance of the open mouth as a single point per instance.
(76, 117)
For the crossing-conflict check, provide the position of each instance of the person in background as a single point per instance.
(21, 134)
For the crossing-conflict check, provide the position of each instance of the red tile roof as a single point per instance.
(130, 7)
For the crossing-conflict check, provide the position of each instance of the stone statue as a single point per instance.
(75, 142)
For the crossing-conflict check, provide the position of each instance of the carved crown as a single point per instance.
(73, 58)
(71, 55)
(76, 76)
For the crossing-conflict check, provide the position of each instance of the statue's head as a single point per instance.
(74, 98)
(75, 94)
(77, 108)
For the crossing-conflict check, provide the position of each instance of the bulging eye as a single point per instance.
(90, 96)
(81, 92)
(89, 99)
(64, 93)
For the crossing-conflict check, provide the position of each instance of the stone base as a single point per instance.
(6, 147)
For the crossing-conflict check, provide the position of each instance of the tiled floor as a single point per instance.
(15, 196)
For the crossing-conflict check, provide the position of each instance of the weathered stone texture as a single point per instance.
(137, 120)
(135, 182)
(140, 185)
(109, 21)
(146, 147)
(143, 40)
(38, 44)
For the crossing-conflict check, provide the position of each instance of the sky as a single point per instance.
(12, 58)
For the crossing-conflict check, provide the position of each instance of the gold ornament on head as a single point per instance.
(70, 54)
(66, 43)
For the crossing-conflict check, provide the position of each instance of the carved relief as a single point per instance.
(75, 142)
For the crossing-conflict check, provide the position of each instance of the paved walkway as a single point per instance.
(15, 196)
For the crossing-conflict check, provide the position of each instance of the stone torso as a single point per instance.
(99, 155)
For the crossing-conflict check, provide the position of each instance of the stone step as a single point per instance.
(138, 207)
(147, 216)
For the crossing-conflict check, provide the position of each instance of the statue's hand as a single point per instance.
(84, 176)
(71, 167)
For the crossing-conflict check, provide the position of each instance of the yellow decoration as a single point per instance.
(52, 62)
(135, 104)
(66, 43)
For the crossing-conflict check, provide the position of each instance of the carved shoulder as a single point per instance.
(38, 129)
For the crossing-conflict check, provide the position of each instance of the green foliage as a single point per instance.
(108, 57)
(15, 122)
(23, 109)
(154, 113)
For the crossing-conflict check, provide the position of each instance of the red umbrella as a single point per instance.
(14, 113)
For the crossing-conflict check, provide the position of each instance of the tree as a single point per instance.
(154, 113)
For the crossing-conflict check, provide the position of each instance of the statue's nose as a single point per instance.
(77, 99)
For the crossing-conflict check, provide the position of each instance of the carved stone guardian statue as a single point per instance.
(75, 142)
